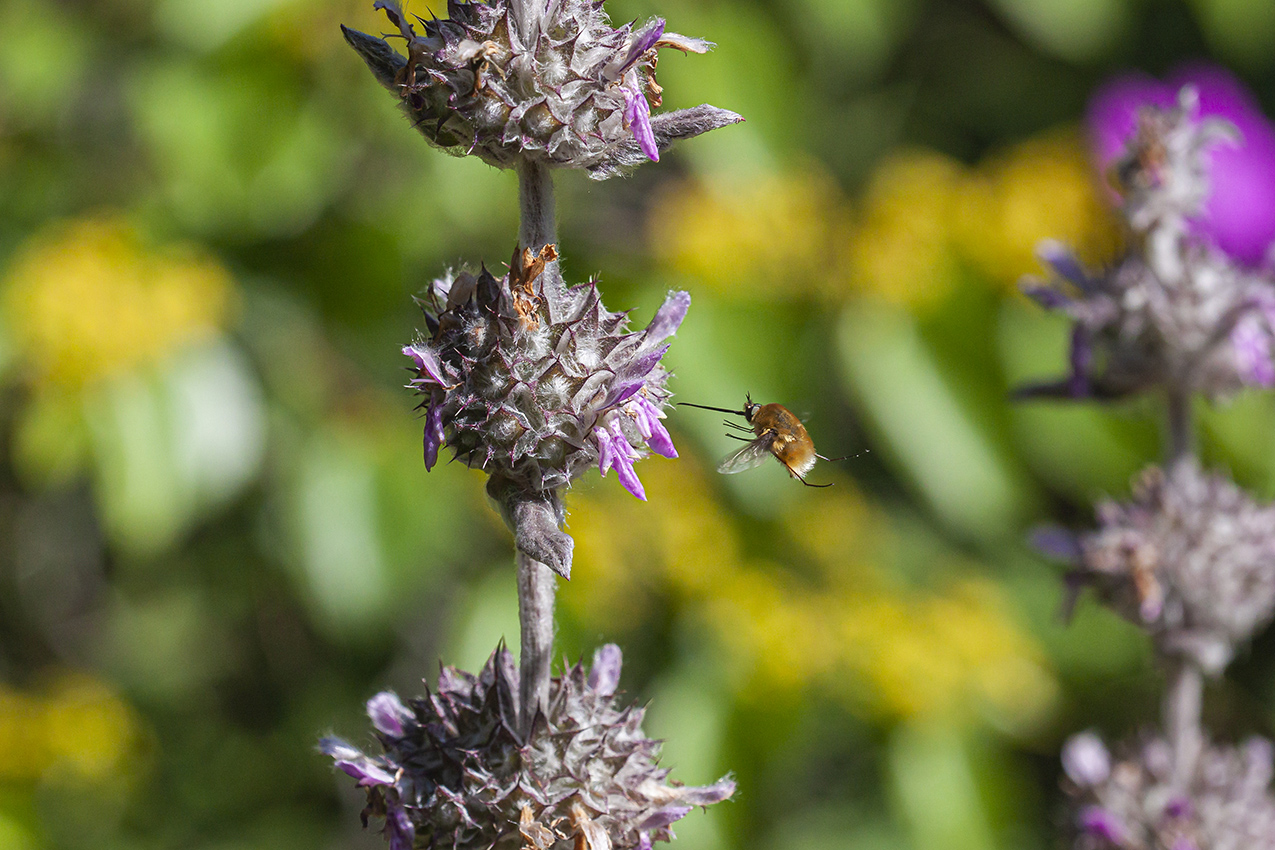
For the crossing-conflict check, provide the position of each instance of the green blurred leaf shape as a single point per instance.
(167, 647)
(1241, 30)
(335, 521)
(934, 789)
(43, 58)
(688, 710)
(488, 615)
(1080, 448)
(1076, 30)
(920, 422)
(237, 149)
(1240, 431)
(171, 447)
(205, 26)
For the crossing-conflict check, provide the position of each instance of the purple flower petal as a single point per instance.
(1081, 357)
(604, 675)
(641, 43)
(657, 436)
(668, 318)
(1056, 542)
(664, 817)
(1179, 806)
(706, 795)
(1045, 296)
(433, 433)
(1251, 343)
(1085, 760)
(388, 713)
(427, 363)
(606, 451)
(355, 763)
(637, 115)
(1065, 265)
(399, 830)
(623, 458)
(644, 841)
(1100, 823)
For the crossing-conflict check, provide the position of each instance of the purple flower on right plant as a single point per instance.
(1239, 215)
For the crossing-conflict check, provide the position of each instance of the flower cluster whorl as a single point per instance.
(558, 87)
(455, 775)
(1174, 312)
(1133, 803)
(534, 382)
(1191, 558)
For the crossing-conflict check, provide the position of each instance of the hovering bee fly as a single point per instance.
(776, 432)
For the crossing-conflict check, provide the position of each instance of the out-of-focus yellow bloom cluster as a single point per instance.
(76, 729)
(922, 218)
(767, 238)
(86, 299)
(894, 652)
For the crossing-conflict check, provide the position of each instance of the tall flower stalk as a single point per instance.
(1191, 557)
(534, 382)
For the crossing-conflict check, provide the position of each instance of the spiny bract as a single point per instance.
(455, 775)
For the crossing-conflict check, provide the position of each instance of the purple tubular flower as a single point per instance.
(1239, 215)
(1085, 760)
(648, 418)
(604, 675)
(1100, 823)
(388, 713)
(429, 369)
(637, 117)
(668, 318)
(434, 437)
(615, 451)
(664, 817)
(355, 763)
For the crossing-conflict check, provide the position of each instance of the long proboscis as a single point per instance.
(706, 407)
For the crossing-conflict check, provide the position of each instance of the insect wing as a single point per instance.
(751, 455)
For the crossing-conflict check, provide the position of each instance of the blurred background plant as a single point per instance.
(215, 544)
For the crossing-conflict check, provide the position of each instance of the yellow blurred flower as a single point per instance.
(77, 728)
(893, 652)
(86, 299)
(769, 238)
(900, 248)
(1042, 188)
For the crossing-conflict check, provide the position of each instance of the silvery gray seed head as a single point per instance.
(455, 775)
(1225, 805)
(1174, 312)
(1191, 558)
(545, 81)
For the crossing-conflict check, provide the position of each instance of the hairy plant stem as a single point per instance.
(1181, 429)
(535, 200)
(537, 584)
(536, 587)
(1184, 696)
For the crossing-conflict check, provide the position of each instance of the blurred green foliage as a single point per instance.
(216, 535)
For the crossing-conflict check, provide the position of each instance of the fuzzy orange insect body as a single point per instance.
(778, 433)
